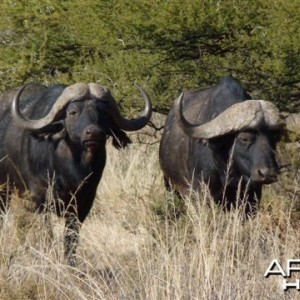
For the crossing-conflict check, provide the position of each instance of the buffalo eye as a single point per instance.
(246, 138)
(72, 112)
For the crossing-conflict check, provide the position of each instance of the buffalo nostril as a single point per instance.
(88, 131)
(94, 133)
(266, 175)
(262, 173)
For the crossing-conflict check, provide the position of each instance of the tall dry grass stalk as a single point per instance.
(133, 247)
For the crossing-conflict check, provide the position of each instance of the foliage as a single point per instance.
(166, 46)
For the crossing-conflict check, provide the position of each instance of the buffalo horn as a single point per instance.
(128, 125)
(249, 114)
(74, 92)
(80, 91)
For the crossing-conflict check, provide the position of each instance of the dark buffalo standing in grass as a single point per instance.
(221, 137)
(59, 133)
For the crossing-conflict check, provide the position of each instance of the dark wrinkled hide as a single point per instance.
(186, 162)
(71, 152)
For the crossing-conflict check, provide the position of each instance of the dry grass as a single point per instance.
(133, 246)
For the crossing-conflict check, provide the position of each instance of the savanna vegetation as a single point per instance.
(140, 241)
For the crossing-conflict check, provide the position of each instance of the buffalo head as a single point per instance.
(252, 126)
(87, 114)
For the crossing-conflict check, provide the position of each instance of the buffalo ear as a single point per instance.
(120, 138)
(54, 131)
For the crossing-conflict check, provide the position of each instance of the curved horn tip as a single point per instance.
(146, 97)
(138, 123)
(180, 98)
(183, 122)
(15, 110)
(70, 93)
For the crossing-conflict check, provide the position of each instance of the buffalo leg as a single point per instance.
(43, 206)
(48, 225)
(167, 184)
(71, 237)
(4, 200)
(252, 206)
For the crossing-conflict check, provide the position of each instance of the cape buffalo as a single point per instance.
(221, 137)
(60, 132)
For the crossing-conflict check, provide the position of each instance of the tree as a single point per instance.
(166, 46)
